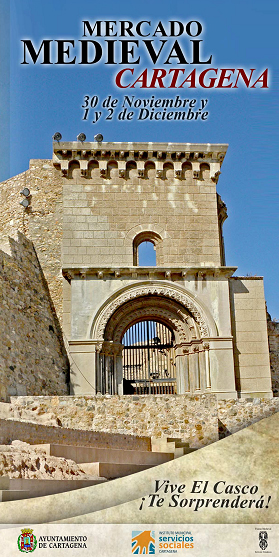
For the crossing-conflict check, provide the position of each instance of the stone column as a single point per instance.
(182, 369)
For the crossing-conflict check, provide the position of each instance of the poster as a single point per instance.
(105, 69)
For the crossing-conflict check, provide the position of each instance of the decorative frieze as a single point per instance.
(142, 154)
(171, 274)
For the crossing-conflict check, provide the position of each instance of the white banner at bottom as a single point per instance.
(125, 540)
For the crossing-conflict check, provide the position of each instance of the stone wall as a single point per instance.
(249, 328)
(234, 415)
(32, 354)
(41, 222)
(32, 433)
(191, 418)
(154, 191)
(273, 340)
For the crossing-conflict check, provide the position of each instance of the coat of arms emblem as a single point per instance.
(263, 536)
(27, 541)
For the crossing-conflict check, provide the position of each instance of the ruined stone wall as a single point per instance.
(41, 222)
(234, 415)
(191, 418)
(33, 433)
(32, 354)
(273, 340)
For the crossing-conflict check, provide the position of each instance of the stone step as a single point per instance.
(179, 444)
(177, 441)
(113, 470)
(36, 433)
(13, 495)
(4, 482)
(82, 454)
(181, 451)
(40, 488)
(160, 444)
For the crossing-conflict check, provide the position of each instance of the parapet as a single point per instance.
(178, 154)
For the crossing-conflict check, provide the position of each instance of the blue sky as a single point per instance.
(239, 34)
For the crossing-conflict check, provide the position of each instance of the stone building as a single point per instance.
(116, 196)
(184, 325)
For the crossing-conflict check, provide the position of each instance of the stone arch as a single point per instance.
(205, 171)
(167, 305)
(112, 169)
(154, 228)
(168, 169)
(186, 170)
(150, 169)
(73, 170)
(173, 315)
(131, 168)
(201, 316)
(93, 169)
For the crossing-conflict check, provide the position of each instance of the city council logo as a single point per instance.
(27, 542)
(143, 542)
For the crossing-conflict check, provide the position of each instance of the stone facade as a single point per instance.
(116, 196)
(116, 192)
(249, 328)
(33, 357)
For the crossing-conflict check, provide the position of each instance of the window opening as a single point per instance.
(147, 254)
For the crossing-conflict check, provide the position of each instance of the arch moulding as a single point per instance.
(164, 289)
(149, 228)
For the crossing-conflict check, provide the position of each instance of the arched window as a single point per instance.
(144, 248)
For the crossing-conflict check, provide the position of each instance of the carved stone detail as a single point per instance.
(122, 318)
(216, 177)
(136, 292)
(64, 153)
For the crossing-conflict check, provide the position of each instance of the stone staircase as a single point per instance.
(102, 464)
(173, 445)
